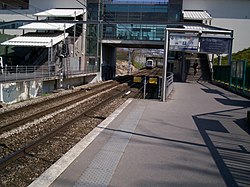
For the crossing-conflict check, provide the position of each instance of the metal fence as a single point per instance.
(14, 73)
(222, 73)
(236, 75)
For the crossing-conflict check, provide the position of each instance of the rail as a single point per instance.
(14, 73)
(117, 92)
(170, 78)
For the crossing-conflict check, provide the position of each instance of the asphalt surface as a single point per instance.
(199, 137)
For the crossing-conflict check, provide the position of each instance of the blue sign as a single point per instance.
(214, 45)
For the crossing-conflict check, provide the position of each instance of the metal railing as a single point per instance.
(169, 83)
(14, 73)
(11, 73)
(234, 77)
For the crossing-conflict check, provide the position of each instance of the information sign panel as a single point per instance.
(214, 45)
(179, 42)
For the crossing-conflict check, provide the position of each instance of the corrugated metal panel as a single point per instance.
(194, 27)
(35, 40)
(46, 26)
(60, 13)
(196, 15)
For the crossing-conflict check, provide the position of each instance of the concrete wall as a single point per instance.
(229, 14)
(19, 91)
(93, 79)
(49, 86)
(108, 62)
(68, 83)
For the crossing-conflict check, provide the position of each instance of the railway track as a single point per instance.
(46, 141)
(37, 110)
(154, 72)
(113, 94)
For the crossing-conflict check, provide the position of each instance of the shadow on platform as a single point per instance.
(228, 150)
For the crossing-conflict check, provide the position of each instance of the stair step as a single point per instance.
(203, 72)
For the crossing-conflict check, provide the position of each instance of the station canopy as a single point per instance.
(202, 28)
(61, 13)
(36, 39)
(196, 15)
(46, 26)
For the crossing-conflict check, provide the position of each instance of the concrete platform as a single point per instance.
(199, 137)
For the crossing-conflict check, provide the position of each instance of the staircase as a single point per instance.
(203, 71)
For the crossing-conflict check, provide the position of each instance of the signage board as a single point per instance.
(152, 80)
(137, 79)
(178, 42)
(214, 45)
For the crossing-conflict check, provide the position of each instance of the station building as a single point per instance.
(108, 24)
(228, 14)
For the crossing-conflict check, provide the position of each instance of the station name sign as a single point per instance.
(214, 45)
(180, 42)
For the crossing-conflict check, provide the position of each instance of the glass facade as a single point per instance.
(147, 13)
(134, 32)
(93, 30)
(143, 20)
(139, 20)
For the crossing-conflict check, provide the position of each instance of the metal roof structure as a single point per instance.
(46, 26)
(61, 13)
(196, 15)
(36, 40)
(198, 27)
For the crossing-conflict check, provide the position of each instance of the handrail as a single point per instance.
(169, 84)
(14, 73)
(170, 78)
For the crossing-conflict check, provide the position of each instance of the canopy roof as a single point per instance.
(60, 13)
(196, 15)
(202, 28)
(36, 39)
(46, 26)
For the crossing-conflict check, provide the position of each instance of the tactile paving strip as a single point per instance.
(102, 167)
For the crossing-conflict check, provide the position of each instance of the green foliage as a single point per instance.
(241, 55)
(121, 55)
(137, 65)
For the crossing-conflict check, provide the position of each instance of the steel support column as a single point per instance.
(165, 65)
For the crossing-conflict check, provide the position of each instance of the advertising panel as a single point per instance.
(178, 42)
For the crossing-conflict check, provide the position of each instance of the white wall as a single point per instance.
(229, 14)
